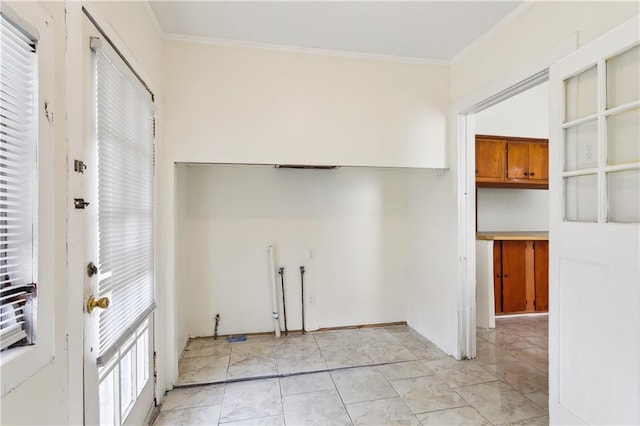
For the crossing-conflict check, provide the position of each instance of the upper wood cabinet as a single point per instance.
(512, 162)
(491, 151)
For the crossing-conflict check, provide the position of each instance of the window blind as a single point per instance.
(126, 256)
(18, 136)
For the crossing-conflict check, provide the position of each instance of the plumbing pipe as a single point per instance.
(302, 291)
(274, 292)
(215, 330)
(284, 304)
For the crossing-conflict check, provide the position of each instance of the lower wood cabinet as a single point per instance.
(520, 280)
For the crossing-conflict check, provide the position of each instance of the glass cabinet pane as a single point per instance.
(581, 95)
(623, 81)
(581, 146)
(623, 137)
(581, 198)
(623, 196)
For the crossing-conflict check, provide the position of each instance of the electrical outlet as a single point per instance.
(587, 155)
(312, 300)
(312, 254)
(588, 152)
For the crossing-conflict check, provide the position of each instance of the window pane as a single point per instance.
(581, 95)
(581, 146)
(623, 84)
(108, 403)
(126, 382)
(142, 365)
(623, 137)
(623, 189)
(581, 198)
(18, 185)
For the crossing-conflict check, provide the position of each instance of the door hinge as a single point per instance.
(80, 203)
(155, 365)
(79, 166)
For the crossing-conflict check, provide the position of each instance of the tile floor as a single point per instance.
(374, 376)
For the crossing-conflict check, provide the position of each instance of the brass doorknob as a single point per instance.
(92, 303)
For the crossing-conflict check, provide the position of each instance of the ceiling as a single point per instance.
(424, 30)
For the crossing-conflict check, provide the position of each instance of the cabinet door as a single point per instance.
(539, 161)
(518, 160)
(489, 159)
(541, 259)
(497, 275)
(514, 288)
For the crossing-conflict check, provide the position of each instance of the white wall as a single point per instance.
(354, 220)
(525, 115)
(432, 300)
(501, 209)
(485, 297)
(229, 104)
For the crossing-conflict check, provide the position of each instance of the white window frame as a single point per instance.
(20, 363)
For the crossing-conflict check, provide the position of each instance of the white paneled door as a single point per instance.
(594, 261)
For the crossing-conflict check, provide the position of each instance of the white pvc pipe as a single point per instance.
(274, 293)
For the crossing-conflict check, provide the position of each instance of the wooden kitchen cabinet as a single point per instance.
(541, 259)
(490, 153)
(510, 162)
(520, 274)
(528, 161)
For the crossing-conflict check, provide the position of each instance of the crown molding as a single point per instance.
(306, 50)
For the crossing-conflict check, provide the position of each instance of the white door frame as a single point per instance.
(463, 155)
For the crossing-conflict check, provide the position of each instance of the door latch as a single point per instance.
(92, 269)
(79, 166)
(80, 203)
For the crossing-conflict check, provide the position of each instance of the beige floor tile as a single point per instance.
(541, 399)
(204, 369)
(189, 416)
(262, 421)
(240, 351)
(537, 421)
(388, 352)
(405, 370)
(499, 403)
(362, 384)
(520, 376)
(340, 358)
(198, 351)
(321, 408)
(193, 397)
(454, 417)
(392, 411)
(295, 341)
(306, 383)
(488, 353)
(301, 360)
(460, 373)
(200, 342)
(534, 357)
(253, 367)
(427, 393)
(425, 352)
(251, 400)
